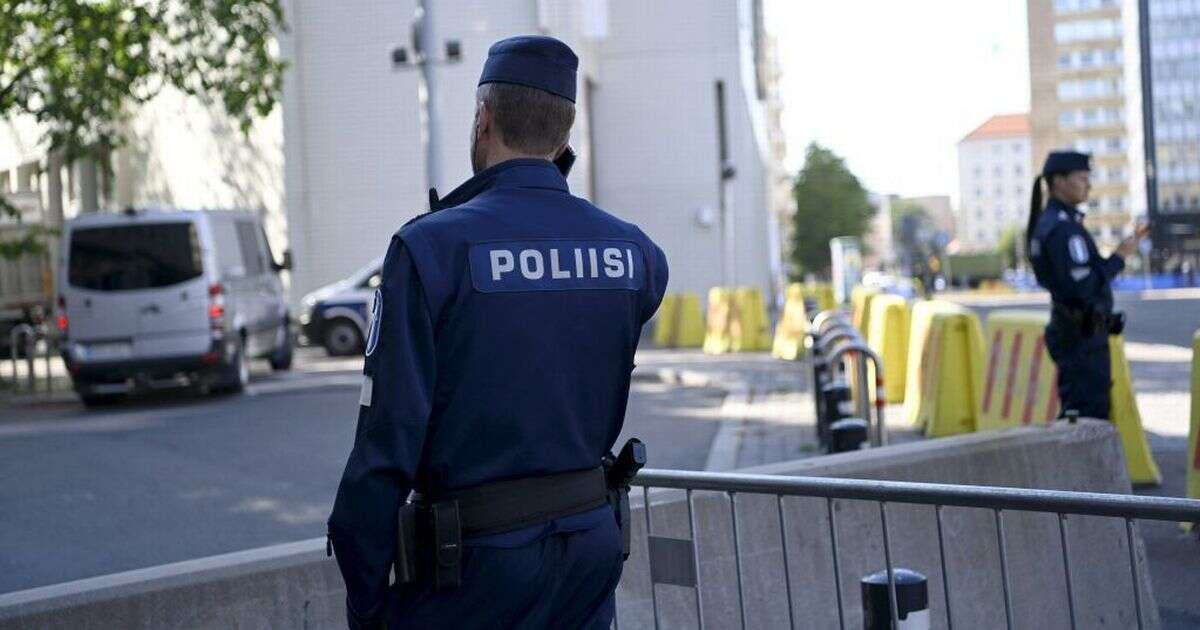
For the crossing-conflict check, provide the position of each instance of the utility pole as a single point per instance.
(1157, 231)
(423, 37)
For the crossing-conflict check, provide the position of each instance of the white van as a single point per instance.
(153, 299)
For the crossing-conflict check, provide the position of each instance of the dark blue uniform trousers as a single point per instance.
(1084, 371)
(563, 579)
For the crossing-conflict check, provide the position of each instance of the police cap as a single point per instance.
(534, 61)
(1066, 162)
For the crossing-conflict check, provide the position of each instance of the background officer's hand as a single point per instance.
(1129, 246)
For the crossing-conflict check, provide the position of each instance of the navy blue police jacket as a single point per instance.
(1066, 262)
(501, 347)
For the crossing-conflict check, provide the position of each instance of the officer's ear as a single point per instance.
(483, 120)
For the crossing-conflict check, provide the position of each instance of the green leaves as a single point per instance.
(830, 202)
(79, 67)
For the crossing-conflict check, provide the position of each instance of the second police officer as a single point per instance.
(496, 379)
(1067, 263)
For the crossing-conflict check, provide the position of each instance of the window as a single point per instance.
(1086, 30)
(131, 257)
(1089, 89)
(251, 250)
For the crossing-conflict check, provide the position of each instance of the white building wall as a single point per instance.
(994, 187)
(657, 144)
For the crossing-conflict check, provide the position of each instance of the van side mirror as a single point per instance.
(286, 263)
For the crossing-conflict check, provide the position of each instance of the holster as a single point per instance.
(429, 545)
(618, 498)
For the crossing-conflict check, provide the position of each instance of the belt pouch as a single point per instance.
(447, 538)
(406, 544)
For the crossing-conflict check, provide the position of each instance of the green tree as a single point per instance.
(79, 67)
(1007, 247)
(830, 202)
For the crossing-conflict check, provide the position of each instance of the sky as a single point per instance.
(893, 85)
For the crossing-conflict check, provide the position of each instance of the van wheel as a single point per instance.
(281, 358)
(237, 373)
(342, 338)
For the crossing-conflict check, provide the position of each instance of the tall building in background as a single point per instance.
(1174, 61)
(1077, 52)
(994, 177)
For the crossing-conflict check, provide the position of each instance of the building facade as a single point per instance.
(657, 84)
(1174, 47)
(994, 178)
(1077, 54)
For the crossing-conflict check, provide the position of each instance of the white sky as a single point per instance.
(893, 85)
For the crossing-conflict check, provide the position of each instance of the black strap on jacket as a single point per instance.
(502, 506)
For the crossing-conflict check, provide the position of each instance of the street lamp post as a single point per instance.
(424, 34)
(1148, 140)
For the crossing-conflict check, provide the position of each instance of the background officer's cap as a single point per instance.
(533, 61)
(1065, 162)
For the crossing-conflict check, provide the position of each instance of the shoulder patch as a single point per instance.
(1035, 248)
(1078, 248)
(376, 316)
(556, 265)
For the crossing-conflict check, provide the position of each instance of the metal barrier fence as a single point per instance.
(997, 499)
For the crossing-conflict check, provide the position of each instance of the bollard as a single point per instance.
(836, 403)
(847, 434)
(912, 601)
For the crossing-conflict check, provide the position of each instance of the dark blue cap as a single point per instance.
(534, 61)
(1066, 162)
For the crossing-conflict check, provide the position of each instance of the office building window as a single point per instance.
(1086, 30)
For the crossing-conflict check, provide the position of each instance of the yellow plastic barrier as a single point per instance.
(860, 306)
(822, 293)
(1124, 412)
(754, 332)
(887, 335)
(789, 332)
(1020, 384)
(737, 321)
(945, 369)
(680, 322)
(1193, 471)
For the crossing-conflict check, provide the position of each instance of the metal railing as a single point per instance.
(997, 499)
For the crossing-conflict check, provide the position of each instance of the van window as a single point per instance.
(251, 252)
(130, 257)
(229, 252)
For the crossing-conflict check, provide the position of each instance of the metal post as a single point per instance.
(49, 375)
(837, 574)
(1004, 568)
(1149, 142)
(425, 43)
(696, 559)
(737, 558)
(937, 511)
(787, 578)
(19, 332)
(1137, 590)
(649, 556)
(1062, 535)
(893, 605)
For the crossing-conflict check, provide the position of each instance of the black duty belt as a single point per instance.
(1089, 321)
(506, 505)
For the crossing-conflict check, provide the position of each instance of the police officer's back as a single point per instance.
(497, 374)
(1067, 263)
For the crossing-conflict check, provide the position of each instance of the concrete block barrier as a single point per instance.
(1083, 457)
(887, 335)
(296, 586)
(286, 586)
(944, 379)
(680, 322)
(1021, 381)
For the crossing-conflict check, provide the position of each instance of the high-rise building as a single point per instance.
(994, 177)
(1174, 48)
(1077, 52)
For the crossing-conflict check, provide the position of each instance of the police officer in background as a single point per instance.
(1068, 265)
(497, 374)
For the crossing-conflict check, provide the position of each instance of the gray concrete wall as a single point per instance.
(1087, 457)
(296, 586)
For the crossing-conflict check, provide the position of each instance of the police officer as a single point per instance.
(1068, 265)
(497, 373)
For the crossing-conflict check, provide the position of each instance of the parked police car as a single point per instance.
(336, 316)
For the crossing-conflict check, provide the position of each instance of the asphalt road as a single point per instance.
(177, 477)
